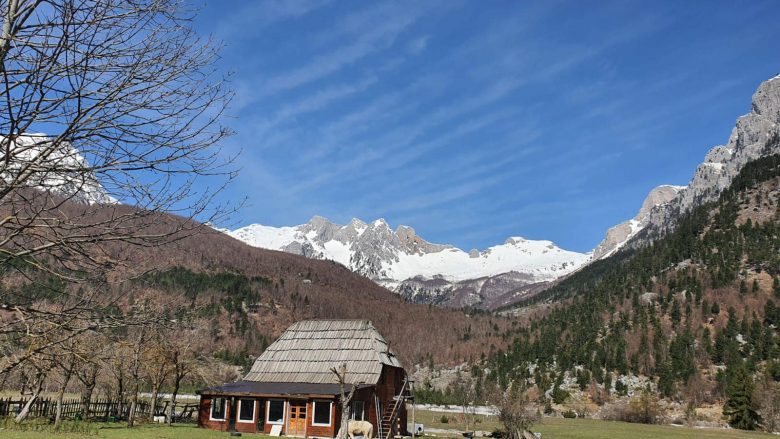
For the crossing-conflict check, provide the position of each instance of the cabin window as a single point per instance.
(275, 411)
(358, 411)
(246, 410)
(322, 412)
(218, 409)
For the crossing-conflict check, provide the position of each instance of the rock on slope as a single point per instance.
(749, 140)
(620, 234)
(419, 270)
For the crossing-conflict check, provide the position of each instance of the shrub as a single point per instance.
(444, 419)
(569, 414)
(642, 409)
(559, 395)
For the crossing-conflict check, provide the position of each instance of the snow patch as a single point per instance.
(390, 263)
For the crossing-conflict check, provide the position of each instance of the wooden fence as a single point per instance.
(100, 409)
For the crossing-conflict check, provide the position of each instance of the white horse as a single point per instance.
(360, 428)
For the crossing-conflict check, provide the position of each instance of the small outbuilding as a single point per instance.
(292, 390)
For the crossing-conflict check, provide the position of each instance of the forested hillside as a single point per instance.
(247, 296)
(689, 312)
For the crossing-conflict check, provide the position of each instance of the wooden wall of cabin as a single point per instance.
(367, 396)
(204, 411)
(390, 383)
(323, 431)
(205, 421)
(385, 393)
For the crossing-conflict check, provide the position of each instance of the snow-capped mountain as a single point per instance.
(750, 139)
(60, 172)
(499, 275)
(420, 270)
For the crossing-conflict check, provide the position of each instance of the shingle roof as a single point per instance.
(255, 388)
(307, 351)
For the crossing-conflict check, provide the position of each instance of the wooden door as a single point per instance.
(297, 425)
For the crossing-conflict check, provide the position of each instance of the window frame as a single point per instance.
(254, 410)
(362, 410)
(314, 413)
(268, 412)
(211, 409)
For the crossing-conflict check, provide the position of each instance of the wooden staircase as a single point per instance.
(392, 409)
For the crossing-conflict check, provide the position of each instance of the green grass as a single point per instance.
(559, 428)
(119, 431)
(551, 428)
(433, 420)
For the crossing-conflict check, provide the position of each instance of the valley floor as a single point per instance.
(551, 428)
(559, 428)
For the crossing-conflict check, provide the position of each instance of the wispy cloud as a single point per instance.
(458, 116)
(260, 14)
(378, 33)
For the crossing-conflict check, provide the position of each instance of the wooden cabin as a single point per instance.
(292, 390)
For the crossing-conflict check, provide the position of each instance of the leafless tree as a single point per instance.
(34, 378)
(345, 400)
(465, 393)
(156, 367)
(768, 397)
(183, 357)
(515, 411)
(87, 374)
(66, 364)
(130, 100)
(136, 346)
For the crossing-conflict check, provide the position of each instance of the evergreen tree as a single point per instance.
(740, 407)
(715, 308)
(776, 286)
(675, 315)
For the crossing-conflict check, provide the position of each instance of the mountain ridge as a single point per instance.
(722, 163)
(408, 264)
(382, 257)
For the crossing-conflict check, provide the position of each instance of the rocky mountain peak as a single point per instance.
(617, 236)
(393, 257)
(749, 140)
(766, 100)
(321, 227)
(657, 196)
(357, 224)
(414, 244)
(60, 173)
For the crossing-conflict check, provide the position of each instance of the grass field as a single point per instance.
(559, 428)
(551, 428)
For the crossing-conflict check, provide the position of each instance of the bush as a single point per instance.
(444, 419)
(569, 414)
(642, 409)
(559, 395)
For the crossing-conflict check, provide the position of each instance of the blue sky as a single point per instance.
(472, 121)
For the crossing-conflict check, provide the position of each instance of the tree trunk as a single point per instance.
(26, 409)
(176, 383)
(341, 378)
(153, 408)
(86, 400)
(344, 427)
(120, 394)
(60, 399)
(133, 407)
